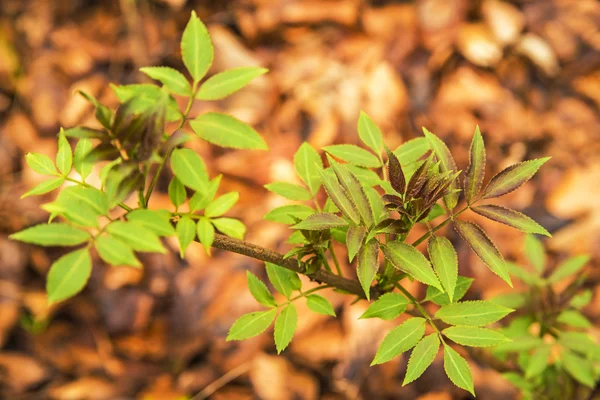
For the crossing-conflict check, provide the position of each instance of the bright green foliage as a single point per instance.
(289, 191)
(421, 357)
(369, 133)
(189, 168)
(196, 48)
(206, 233)
(186, 232)
(286, 214)
(574, 318)
(64, 157)
(320, 222)
(259, 291)
(476, 170)
(354, 240)
(252, 324)
(569, 267)
(283, 280)
(458, 370)
(368, 264)
(320, 305)
(472, 313)
(579, 368)
(45, 187)
(534, 250)
(388, 306)
(156, 221)
(227, 82)
(408, 259)
(52, 235)
(227, 131)
(68, 275)
(285, 326)
(353, 154)
(173, 80)
(200, 200)
(115, 252)
(83, 167)
(221, 204)
(538, 362)
(177, 193)
(41, 164)
(445, 262)
(137, 236)
(400, 339)
(308, 164)
(230, 227)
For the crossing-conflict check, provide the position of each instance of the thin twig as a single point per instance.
(222, 381)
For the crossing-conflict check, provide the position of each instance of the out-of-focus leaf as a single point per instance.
(441, 298)
(472, 313)
(581, 343)
(196, 48)
(421, 357)
(41, 164)
(354, 240)
(399, 340)
(458, 370)
(115, 252)
(252, 324)
(579, 368)
(447, 164)
(227, 82)
(474, 337)
(136, 236)
(308, 163)
(574, 318)
(177, 193)
(353, 154)
(68, 275)
(289, 191)
(511, 218)
(368, 265)
(158, 221)
(534, 250)
(408, 259)
(83, 148)
(52, 235)
(582, 299)
(285, 326)
(45, 187)
(369, 133)
(82, 132)
(512, 177)
(569, 267)
(286, 214)
(227, 131)
(388, 306)
(186, 232)
(445, 262)
(538, 362)
(64, 156)
(476, 169)
(511, 300)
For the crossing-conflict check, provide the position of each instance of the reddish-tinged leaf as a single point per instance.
(485, 249)
(354, 240)
(446, 163)
(321, 222)
(354, 190)
(511, 218)
(512, 177)
(395, 173)
(476, 169)
(368, 264)
(339, 196)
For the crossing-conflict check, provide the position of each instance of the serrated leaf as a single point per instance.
(510, 217)
(538, 362)
(321, 222)
(68, 275)
(221, 204)
(115, 252)
(483, 247)
(189, 168)
(206, 233)
(82, 149)
(435, 212)
(320, 305)
(353, 154)
(186, 233)
(289, 191)
(354, 240)
(227, 131)
(569, 267)
(476, 169)
(158, 221)
(259, 291)
(446, 164)
(534, 250)
(445, 262)
(474, 337)
(579, 368)
(143, 98)
(339, 196)
(173, 80)
(227, 82)
(52, 235)
(285, 326)
(41, 164)
(409, 154)
(421, 357)
(286, 214)
(64, 156)
(200, 200)
(230, 227)
(388, 306)
(177, 193)
(395, 173)
(441, 298)
(45, 187)
(472, 313)
(354, 190)
(307, 164)
(196, 48)
(369, 133)
(574, 318)
(512, 178)
(250, 325)
(282, 279)
(366, 176)
(408, 259)
(368, 265)
(399, 340)
(379, 211)
(136, 236)
(458, 370)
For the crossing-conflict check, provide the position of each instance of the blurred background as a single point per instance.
(526, 71)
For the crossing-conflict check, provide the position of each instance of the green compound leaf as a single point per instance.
(512, 178)
(64, 156)
(408, 259)
(387, 307)
(186, 232)
(200, 200)
(227, 131)
(230, 227)
(40, 163)
(579, 368)
(173, 80)
(472, 313)
(189, 168)
(68, 275)
(569, 267)
(227, 82)
(321, 222)
(252, 324)
(221, 204)
(476, 169)
(52, 235)
(285, 326)
(445, 262)
(399, 340)
(83, 167)
(511, 218)
(534, 250)
(283, 280)
(441, 298)
(115, 252)
(45, 187)
(446, 164)
(421, 357)
(409, 154)
(339, 196)
(353, 154)
(485, 249)
(538, 362)
(369, 133)
(177, 193)
(206, 233)
(136, 236)
(158, 221)
(196, 48)
(581, 343)
(475, 337)
(354, 191)
(289, 191)
(259, 291)
(307, 164)
(354, 240)
(574, 318)
(458, 370)
(368, 265)
(286, 214)
(320, 305)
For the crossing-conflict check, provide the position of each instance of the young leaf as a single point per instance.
(353, 154)
(519, 344)
(511, 300)
(136, 236)
(200, 200)
(286, 214)
(221, 204)
(458, 370)
(82, 132)
(320, 305)
(40, 163)
(408, 259)
(68, 275)
(177, 193)
(196, 48)
(472, 313)
(307, 164)
(527, 277)
(173, 80)
(354, 240)
(52, 235)
(445, 262)
(421, 357)
(64, 156)
(158, 221)
(511, 218)
(289, 191)
(538, 362)
(206, 233)
(368, 264)
(388, 306)
(227, 82)
(83, 167)
(574, 318)
(321, 222)
(282, 279)
(285, 326)
(446, 163)
(441, 298)
(580, 369)
(115, 252)
(512, 178)
(230, 227)
(227, 131)
(259, 291)
(340, 198)
(534, 250)
(395, 173)
(189, 168)
(409, 154)
(252, 324)
(567, 268)
(92, 198)
(45, 187)
(474, 337)
(354, 190)
(186, 232)
(369, 133)
(476, 169)
(581, 343)
(399, 340)
(582, 299)
(481, 245)
(103, 114)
